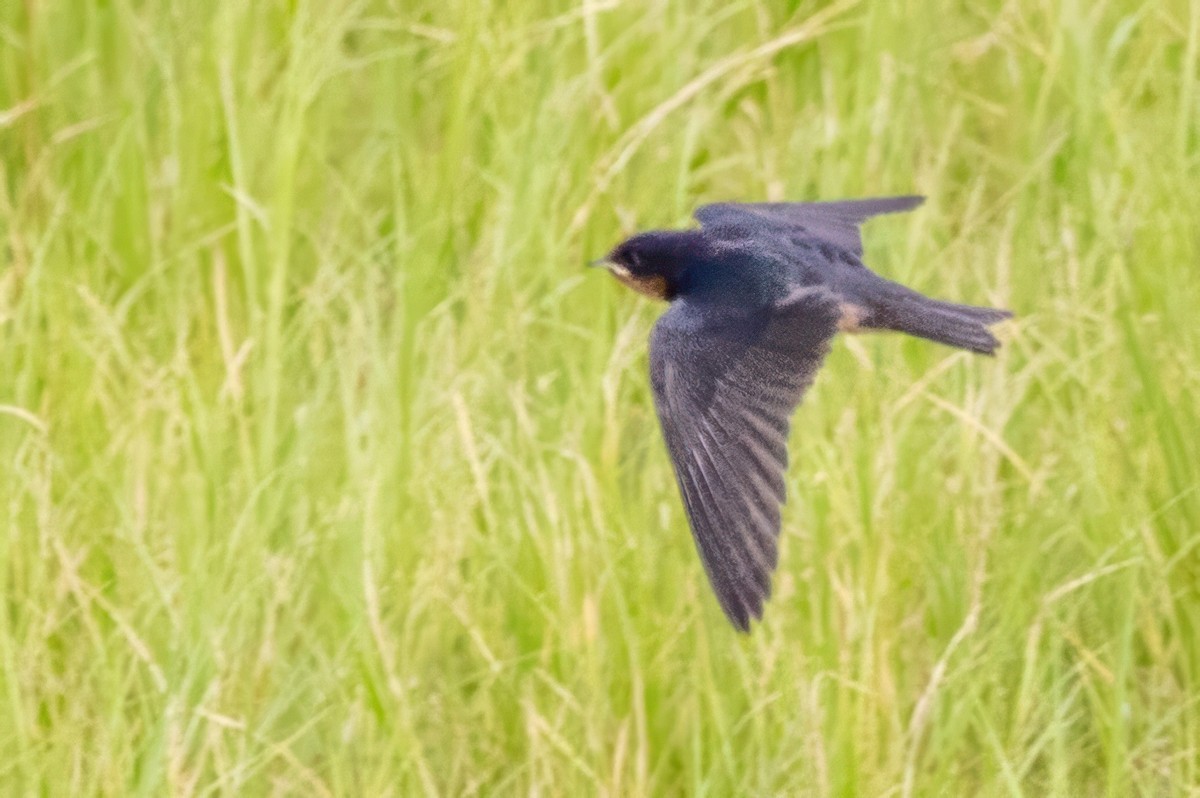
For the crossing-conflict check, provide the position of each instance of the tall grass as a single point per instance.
(325, 469)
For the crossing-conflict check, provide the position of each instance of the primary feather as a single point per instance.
(725, 386)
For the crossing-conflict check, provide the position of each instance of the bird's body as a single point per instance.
(757, 294)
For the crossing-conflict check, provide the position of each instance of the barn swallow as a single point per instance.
(757, 294)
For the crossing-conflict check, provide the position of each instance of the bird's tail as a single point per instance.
(963, 326)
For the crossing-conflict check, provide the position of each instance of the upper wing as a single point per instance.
(725, 386)
(834, 222)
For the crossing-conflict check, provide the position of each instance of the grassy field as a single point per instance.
(325, 469)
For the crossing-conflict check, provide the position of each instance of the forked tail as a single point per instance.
(964, 326)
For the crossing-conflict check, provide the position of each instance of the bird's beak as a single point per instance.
(605, 262)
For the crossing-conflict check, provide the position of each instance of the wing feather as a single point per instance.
(725, 385)
(832, 222)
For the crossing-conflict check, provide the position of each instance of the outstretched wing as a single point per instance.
(834, 222)
(725, 385)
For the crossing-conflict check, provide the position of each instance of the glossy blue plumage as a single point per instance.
(757, 294)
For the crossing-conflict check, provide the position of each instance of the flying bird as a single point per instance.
(757, 294)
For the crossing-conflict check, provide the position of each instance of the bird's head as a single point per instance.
(653, 263)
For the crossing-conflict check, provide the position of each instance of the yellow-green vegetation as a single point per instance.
(326, 468)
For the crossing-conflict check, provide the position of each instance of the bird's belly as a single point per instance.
(852, 316)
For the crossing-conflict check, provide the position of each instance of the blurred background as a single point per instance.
(326, 468)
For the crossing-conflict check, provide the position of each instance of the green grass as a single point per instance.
(325, 469)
